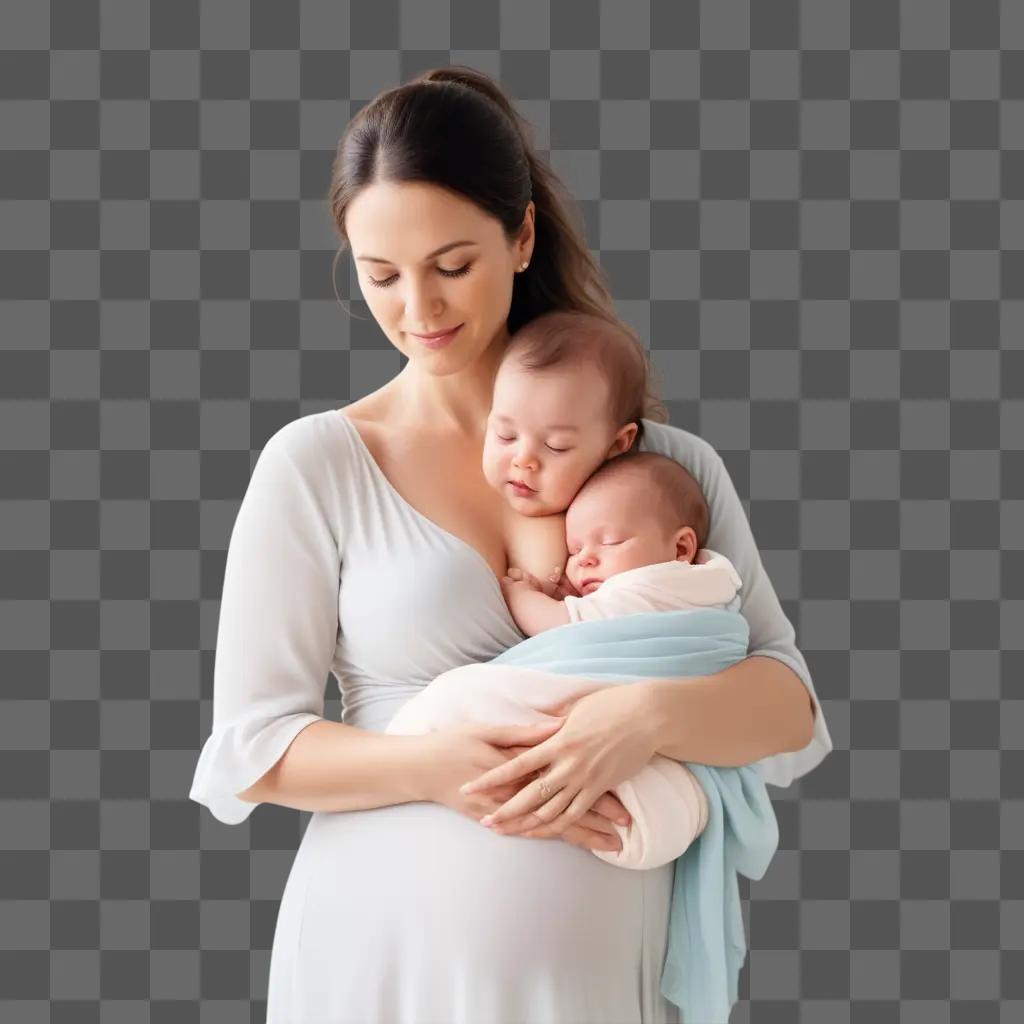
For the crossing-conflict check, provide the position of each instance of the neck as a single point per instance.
(456, 403)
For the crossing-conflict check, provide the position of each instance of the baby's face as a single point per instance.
(613, 527)
(548, 430)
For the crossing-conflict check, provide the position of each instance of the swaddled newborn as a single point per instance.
(632, 538)
(632, 548)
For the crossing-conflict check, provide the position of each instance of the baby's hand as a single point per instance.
(562, 587)
(556, 586)
(517, 579)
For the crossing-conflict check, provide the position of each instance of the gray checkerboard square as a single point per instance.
(813, 213)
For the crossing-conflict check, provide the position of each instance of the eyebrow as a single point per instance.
(550, 426)
(429, 256)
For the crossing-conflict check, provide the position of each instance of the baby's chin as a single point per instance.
(530, 504)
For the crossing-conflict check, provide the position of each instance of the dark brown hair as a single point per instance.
(455, 127)
(681, 501)
(563, 338)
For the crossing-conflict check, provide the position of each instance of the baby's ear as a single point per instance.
(624, 439)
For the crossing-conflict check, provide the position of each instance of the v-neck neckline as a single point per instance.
(390, 487)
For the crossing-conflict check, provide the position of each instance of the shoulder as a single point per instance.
(318, 447)
(688, 449)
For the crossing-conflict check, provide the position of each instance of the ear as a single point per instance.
(623, 440)
(527, 234)
(686, 544)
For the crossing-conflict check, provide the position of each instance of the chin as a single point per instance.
(528, 507)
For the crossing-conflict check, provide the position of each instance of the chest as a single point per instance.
(445, 483)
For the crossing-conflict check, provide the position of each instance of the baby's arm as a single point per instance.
(535, 544)
(532, 609)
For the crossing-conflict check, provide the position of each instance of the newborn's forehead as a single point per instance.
(603, 501)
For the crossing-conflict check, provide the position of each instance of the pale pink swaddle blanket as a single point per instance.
(667, 805)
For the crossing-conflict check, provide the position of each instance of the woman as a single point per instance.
(369, 546)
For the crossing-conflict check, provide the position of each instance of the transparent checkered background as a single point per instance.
(814, 215)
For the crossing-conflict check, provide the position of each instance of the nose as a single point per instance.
(423, 304)
(586, 557)
(524, 458)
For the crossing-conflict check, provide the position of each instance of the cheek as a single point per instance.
(380, 304)
(490, 463)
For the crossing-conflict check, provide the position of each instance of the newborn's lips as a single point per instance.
(519, 483)
(589, 580)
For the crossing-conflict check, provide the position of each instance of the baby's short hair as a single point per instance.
(680, 500)
(562, 337)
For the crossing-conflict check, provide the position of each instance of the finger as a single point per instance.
(519, 766)
(609, 806)
(589, 840)
(516, 574)
(519, 735)
(497, 795)
(570, 812)
(514, 750)
(590, 822)
(531, 806)
(525, 807)
(598, 823)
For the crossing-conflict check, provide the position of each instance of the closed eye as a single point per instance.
(388, 281)
(558, 450)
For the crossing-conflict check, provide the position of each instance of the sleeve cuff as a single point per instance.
(233, 758)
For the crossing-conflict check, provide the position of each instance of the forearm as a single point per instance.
(753, 709)
(535, 612)
(330, 766)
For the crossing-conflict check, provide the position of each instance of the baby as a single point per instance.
(635, 535)
(566, 416)
(565, 423)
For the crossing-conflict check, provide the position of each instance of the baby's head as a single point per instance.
(570, 393)
(635, 510)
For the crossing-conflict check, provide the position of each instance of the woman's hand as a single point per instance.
(607, 737)
(464, 751)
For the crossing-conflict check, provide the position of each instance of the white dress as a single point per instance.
(414, 913)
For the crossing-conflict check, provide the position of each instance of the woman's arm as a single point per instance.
(753, 709)
(276, 637)
(331, 766)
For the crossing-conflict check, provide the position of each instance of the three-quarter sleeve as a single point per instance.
(278, 624)
(771, 633)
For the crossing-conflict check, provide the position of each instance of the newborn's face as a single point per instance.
(548, 431)
(611, 528)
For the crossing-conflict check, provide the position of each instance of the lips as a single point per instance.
(519, 483)
(434, 335)
(590, 579)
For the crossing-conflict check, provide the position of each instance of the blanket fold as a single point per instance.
(706, 941)
(667, 807)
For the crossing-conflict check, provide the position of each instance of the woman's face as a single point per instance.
(549, 430)
(397, 231)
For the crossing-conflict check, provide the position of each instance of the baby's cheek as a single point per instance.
(562, 488)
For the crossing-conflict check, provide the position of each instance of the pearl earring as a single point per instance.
(523, 266)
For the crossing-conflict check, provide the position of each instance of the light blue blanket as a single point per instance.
(706, 941)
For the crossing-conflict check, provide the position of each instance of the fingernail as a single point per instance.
(486, 819)
(622, 821)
